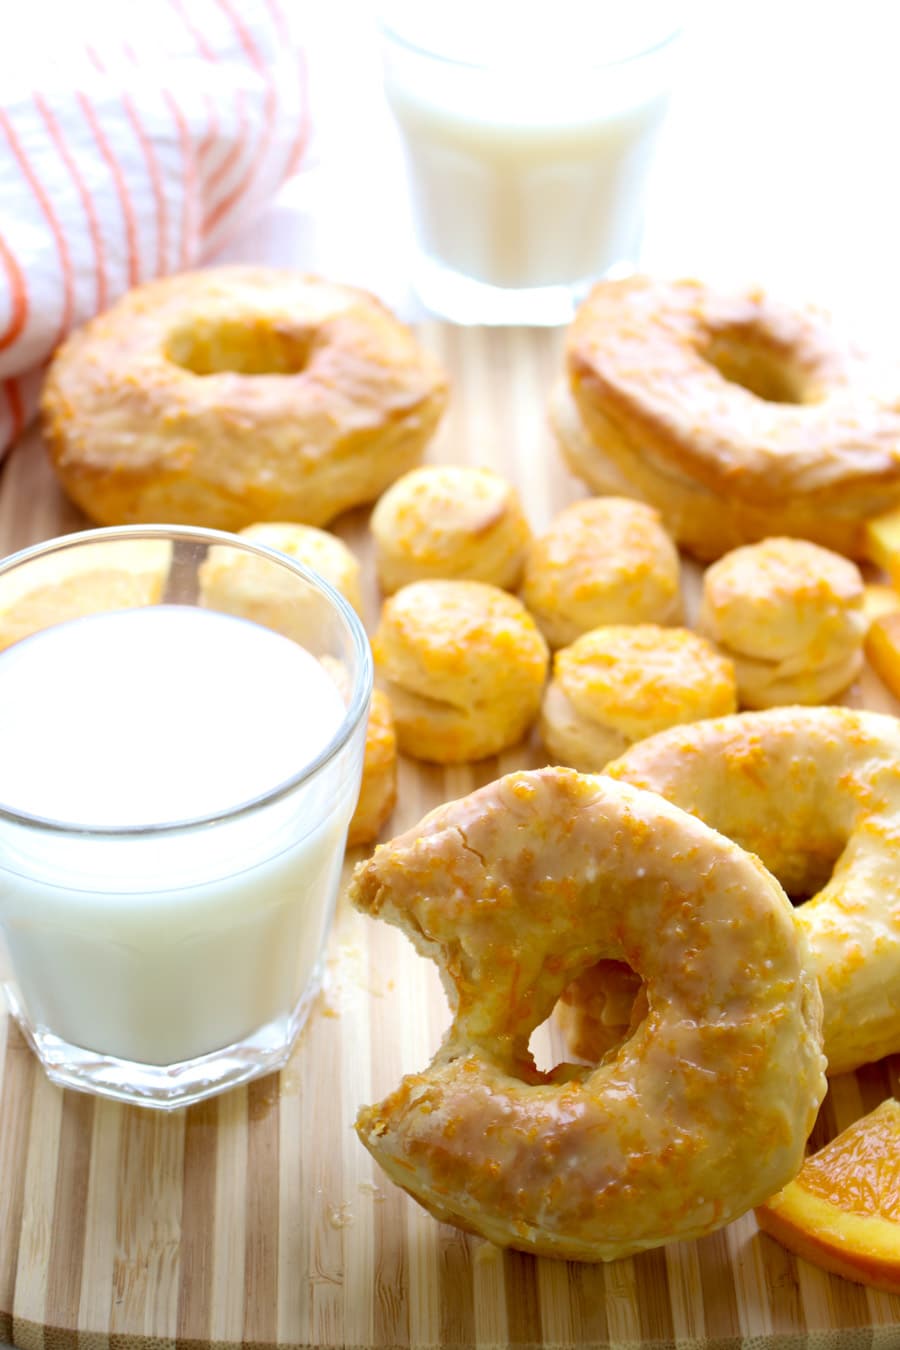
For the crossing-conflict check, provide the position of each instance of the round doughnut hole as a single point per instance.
(743, 356)
(242, 346)
(595, 1015)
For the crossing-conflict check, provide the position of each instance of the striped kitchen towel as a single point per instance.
(134, 140)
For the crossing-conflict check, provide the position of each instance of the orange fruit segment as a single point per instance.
(882, 648)
(842, 1210)
(879, 600)
(881, 543)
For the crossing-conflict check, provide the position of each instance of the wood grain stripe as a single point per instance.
(230, 1209)
(99, 1256)
(261, 1252)
(717, 1283)
(589, 1304)
(293, 1205)
(523, 1300)
(38, 1205)
(685, 1292)
(390, 1218)
(15, 1118)
(65, 1264)
(148, 1224)
(196, 1263)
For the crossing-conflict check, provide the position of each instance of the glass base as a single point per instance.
(165, 1087)
(456, 297)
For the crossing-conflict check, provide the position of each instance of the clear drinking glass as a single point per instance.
(158, 954)
(528, 131)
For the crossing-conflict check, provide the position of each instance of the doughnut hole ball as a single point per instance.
(790, 616)
(449, 521)
(617, 685)
(464, 665)
(605, 560)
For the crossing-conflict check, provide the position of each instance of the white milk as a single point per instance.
(162, 947)
(527, 170)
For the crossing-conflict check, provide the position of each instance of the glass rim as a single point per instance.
(389, 30)
(356, 708)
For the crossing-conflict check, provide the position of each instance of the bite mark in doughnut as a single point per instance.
(516, 890)
(815, 793)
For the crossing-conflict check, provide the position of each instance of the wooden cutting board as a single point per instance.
(257, 1218)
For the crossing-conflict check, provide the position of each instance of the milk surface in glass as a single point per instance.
(528, 130)
(160, 948)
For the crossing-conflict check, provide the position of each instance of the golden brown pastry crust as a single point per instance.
(378, 789)
(464, 665)
(514, 892)
(452, 521)
(815, 793)
(658, 402)
(238, 394)
(616, 685)
(790, 616)
(606, 560)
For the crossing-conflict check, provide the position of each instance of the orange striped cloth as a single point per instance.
(134, 140)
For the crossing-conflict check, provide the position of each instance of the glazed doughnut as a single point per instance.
(616, 685)
(249, 586)
(736, 415)
(450, 521)
(71, 583)
(815, 793)
(790, 616)
(378, 789)
(234, 395)
(464, 665)
(605, 560)
(513, 892)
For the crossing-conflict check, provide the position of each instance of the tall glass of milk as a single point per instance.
(528, 130)
(176, 784)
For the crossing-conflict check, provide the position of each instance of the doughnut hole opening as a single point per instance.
(244, 347)
(596, 1013)
(743, 356)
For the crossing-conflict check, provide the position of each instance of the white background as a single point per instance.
(779, 163)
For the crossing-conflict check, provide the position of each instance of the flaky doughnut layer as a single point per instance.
(615, 685)
(737, 416)
(606, 560)
(514, 892)
(790, 616)
(238, 394)
(464, 665)
(815, 793)
(452, 521)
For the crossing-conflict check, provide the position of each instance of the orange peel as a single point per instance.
(842, 1210)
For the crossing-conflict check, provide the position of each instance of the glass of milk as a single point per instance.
(176, 784)
(528, 130)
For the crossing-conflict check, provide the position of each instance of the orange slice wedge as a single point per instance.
(882, 646)
(842, 1210)
(879, 600)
